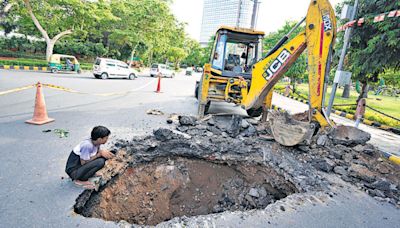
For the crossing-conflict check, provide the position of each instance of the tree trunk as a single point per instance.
(364, 91)
(49, 49)
(293, 81)
(346, 91)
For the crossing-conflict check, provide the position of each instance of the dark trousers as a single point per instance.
(84, 172)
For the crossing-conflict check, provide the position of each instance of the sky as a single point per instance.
(272, 14)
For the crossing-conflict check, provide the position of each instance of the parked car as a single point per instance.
(110, 68)
(189, 71)
(163, 69)
(199, 69)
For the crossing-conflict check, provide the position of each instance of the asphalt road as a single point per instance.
(35, 191)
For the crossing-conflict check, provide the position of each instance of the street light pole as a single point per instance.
(346, 41)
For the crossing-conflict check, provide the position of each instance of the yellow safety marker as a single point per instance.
(61, 88)
(26, 68)
(16, 67)
(44, 68)
(16, 89)
(36, 68)
(6, 67)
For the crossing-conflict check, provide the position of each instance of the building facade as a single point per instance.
(235, 13)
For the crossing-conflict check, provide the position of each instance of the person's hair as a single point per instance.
(99, 132)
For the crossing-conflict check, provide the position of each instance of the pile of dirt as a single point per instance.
(226, 163)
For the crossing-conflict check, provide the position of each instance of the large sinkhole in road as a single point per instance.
(151, 193)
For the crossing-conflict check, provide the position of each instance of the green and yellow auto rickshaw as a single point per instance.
(64, 63)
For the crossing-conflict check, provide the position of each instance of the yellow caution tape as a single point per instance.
(96, 94)
(61, 88)
(16, 89)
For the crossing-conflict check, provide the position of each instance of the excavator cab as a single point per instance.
(235, 50)
(234, 53)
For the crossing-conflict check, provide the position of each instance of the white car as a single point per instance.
(110, 68)
(161, 68)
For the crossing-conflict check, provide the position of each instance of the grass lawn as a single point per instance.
(385, 104)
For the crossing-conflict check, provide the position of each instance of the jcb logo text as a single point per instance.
(276, 64)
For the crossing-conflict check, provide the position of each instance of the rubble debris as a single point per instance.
(154, 112)
(214, 165)
(349, 136)
(173, 118)
(235, 126)
(187, 120)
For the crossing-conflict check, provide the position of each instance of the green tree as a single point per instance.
(374, 47)
(194, 53)
(54, 19)
(299, 68)
(147, 26)
(6, 22)
(175, 55)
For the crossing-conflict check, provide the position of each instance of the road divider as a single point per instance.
(65, 89)
(10, 67)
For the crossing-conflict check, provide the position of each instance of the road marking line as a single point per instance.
(16, 89)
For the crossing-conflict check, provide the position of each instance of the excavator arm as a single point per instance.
(318, 40)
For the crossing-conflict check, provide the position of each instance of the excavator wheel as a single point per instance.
(288, 131)
(254, 112)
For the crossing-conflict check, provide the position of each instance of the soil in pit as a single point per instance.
(166, 188)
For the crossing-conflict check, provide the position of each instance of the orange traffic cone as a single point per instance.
(159, 84)
(39, 114)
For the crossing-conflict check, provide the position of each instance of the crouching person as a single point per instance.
(87, 158)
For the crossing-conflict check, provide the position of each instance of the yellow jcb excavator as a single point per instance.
(237, 73)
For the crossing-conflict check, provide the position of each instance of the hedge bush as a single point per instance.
(24, 62)
(12, 54)
(39, 63)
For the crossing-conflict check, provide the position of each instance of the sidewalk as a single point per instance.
(385, 141)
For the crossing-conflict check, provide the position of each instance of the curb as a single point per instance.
(8, 67)
(393, 158)
(351, 117)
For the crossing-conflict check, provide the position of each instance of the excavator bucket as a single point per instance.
(288, 131)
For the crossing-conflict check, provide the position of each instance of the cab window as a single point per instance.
(219, 52)
(235, 57)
